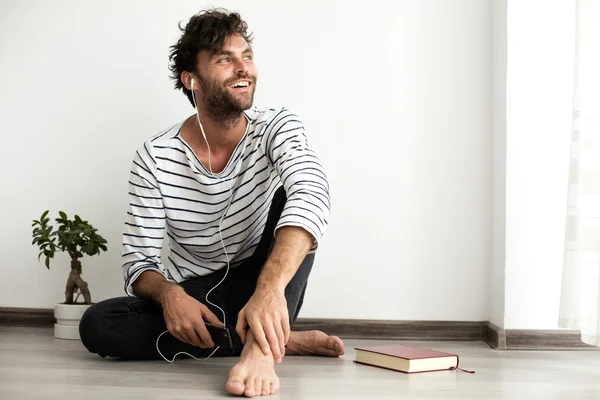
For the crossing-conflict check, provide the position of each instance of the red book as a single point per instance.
(406, 359)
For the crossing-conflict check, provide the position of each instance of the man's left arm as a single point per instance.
(300, 227)
(266, 312)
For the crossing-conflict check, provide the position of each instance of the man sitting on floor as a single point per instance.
(244, 201)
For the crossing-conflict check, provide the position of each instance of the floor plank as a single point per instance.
(35, 365)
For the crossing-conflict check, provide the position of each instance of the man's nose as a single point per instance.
(240, 66)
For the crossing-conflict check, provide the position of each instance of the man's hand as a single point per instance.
(185, 317)
(266, 314)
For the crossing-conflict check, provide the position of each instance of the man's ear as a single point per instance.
(187, 78)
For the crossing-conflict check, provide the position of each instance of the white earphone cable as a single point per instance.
(222, 244)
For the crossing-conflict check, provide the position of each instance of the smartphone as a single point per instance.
(220, 335)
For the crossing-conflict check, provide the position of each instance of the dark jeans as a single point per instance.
(127, 327)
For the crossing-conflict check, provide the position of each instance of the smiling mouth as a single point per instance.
(240, 84)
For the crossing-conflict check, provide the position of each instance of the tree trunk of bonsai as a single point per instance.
(74, 281)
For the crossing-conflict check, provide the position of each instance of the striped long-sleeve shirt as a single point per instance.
(173, 196)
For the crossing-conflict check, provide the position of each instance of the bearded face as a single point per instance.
(226, 99)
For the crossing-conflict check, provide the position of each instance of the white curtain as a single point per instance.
(580, 296)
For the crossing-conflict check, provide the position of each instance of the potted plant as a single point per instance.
(76, 237)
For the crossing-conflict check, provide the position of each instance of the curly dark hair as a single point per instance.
(206, 30)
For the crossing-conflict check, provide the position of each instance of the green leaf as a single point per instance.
(89, 249)
(45, 214)
(47, 263)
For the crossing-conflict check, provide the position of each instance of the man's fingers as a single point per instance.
(187, 331)
(204, 334)
(180, 334)
(273, 340)
(211, 317)
(241, 326)
(259, 335)
(280, 339)
(180, 337)
(285, 323)
(196, 341)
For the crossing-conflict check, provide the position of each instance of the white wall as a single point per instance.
(498, 263)
(396, 98)
(539, 100)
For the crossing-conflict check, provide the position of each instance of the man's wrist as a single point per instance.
(166, 290)
(270, 284)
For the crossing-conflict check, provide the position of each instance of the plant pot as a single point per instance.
(67, 320)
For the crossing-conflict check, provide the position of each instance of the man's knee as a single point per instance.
(102, 321)
(91, 326)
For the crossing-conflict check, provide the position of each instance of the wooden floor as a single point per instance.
(35, 365)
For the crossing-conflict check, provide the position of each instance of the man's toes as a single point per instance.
(274, 387)
(250, 392)
(266, 387)
(328, 351)
(235, 387)
(258, 387)
(336, 345)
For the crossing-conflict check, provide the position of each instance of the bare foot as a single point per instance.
(314, 343)
(254, 374)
